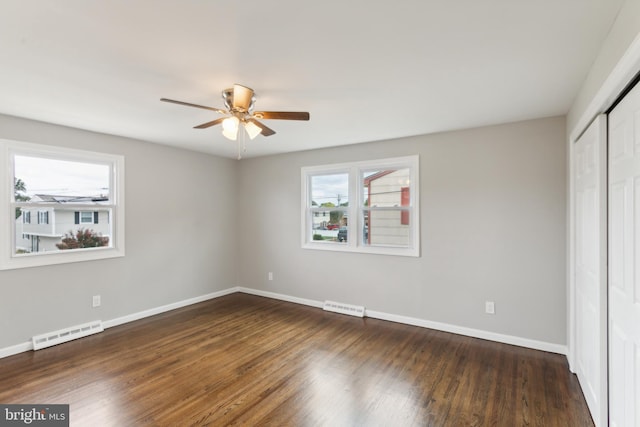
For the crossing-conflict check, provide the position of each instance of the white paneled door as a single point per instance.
(624, 262)
(590, 157)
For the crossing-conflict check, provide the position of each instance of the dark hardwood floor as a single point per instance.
(247, 360)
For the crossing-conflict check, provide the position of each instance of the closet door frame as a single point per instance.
(621, 76)
(603, 100)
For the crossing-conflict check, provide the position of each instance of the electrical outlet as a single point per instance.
(490, 307)
(270, 275)
(96, 301)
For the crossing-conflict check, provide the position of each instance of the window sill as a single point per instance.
(61, 257)
(375, 250)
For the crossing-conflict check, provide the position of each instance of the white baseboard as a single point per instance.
(168, 307)
(470, 332)
(281, 297)
(15, 349)
(445, 327)
(475, 333)
(26, 346)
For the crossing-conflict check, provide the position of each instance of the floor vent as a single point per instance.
(67, 334)
(338, 307)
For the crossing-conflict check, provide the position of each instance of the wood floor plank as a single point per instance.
(248, 360)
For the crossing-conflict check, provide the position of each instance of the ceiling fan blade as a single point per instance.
(266, 131)
(188, 104)
(209, 124)
(281, 115)
(242, 96)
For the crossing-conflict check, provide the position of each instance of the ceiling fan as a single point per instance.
(239, 101)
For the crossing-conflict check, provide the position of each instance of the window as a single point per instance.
(85, 217)
(43, 217)
(56, 205)
(369, 207)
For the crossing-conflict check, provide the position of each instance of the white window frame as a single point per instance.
(356, 207)
(8, 259)
(43, 217)
(80, 217)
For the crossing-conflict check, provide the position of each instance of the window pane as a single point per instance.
(62, 229)
(384, 188)
(59, 181)
(325, 232)
(329, 202)
(86, 217)
(330, 190)
(385, 227)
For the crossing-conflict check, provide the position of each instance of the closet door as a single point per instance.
(590, 266)
(624, 261)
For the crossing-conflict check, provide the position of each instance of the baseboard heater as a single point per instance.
(67, 334)
(342, 308)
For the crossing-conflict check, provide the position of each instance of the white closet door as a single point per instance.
(590, 266)
(624, 262)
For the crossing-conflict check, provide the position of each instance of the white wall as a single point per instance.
(180, 238)
(492, 228)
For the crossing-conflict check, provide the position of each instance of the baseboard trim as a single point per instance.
(15, 349)
(470, 332)
(168, 307)
(281, 297)
(27, 346)
(445, 327)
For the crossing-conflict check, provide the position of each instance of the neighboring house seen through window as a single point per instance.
(369, 207)
(59, 201)
(43, 217)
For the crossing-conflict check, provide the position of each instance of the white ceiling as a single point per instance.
(365, 70)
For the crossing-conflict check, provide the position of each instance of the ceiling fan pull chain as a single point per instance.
(242, 148)
(244, 139)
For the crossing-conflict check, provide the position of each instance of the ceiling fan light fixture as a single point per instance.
(252, 129)
(230, 127)
(239, 101)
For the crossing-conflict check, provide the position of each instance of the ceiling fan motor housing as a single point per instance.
(239, 99)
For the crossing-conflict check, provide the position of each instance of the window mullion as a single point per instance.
(354, 207)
